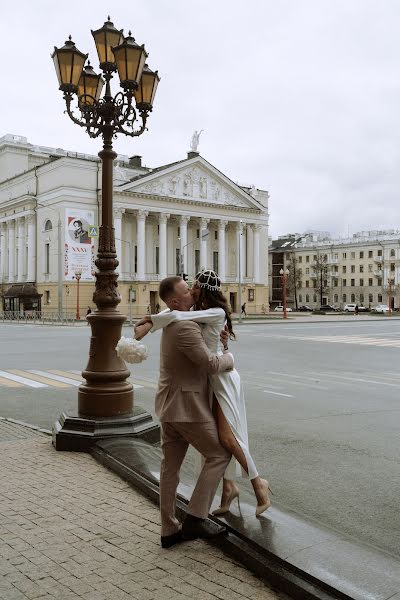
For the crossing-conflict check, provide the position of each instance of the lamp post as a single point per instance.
(105, 401)
(78, 275)
(284, 278)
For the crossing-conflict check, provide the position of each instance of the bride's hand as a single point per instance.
(142, 330)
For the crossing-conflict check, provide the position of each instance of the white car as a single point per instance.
(280, 309)
(380, 308)
(350, 308)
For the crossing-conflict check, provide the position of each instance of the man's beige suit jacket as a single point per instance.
(185, 362)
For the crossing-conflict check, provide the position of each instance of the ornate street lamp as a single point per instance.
(105, 401)
(284, 278)
(78, 275)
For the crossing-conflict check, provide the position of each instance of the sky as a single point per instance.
(298, 97)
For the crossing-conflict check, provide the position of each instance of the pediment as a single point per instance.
(194, 180)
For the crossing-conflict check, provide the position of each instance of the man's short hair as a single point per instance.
(167, 287)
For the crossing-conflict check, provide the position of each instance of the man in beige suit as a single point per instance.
(183, 407)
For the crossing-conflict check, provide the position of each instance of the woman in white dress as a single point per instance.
(211, 309)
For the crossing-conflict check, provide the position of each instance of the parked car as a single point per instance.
(305, 308)
(352, 308)
(380, 308)
(280, 309)
(327, 308)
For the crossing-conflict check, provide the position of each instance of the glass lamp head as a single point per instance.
(146, 90)
(105, 39)
(68, 62)
(130, 59)
(89, 86)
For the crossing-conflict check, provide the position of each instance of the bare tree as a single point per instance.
(321, 268)
(294, 278)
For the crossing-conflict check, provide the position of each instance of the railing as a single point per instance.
(43, 317)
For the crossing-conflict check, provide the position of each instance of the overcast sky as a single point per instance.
(299, 97)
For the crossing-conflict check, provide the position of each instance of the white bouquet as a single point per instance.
(131, 350)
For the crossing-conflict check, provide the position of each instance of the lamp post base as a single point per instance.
(77, 433)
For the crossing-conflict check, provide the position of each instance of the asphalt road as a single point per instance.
(323, 403)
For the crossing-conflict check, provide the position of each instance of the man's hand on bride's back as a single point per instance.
(142, 330)
(224, 337)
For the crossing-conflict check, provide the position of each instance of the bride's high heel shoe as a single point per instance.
(225, 508)
(260, 508)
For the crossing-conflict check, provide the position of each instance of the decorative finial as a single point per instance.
(109, 18)
(70, 37)
(129, 32)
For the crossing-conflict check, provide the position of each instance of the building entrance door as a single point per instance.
(232, 301)
(153, 302)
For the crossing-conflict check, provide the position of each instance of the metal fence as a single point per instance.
(47, 317)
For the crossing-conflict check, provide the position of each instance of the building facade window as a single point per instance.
(177, 261)
(370, 253)
(392, 252)
(307, 298)
(379, 297)
(344, 282)
(307, 271)
(353, 298)
(361, 268)
(344, 297)
(315, 298)
(300, 298)
(379, 281)
(307, 284)
(353, 255)
(353, 268)
(344, 269)
(344, 255)
(370, 298)
(251, 295)
(336, 298)
(362, 298)
(157, 259)
(392, 267)
(370, 268)
(361, 254)
(361, 282)
(47, 297)
(47, 258)
(370, 282)
(48, 225)
(353, 282)
(307, 259)
(196, 261)
(379, 252)
(300, 259)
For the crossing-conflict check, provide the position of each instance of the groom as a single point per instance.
(183, 407)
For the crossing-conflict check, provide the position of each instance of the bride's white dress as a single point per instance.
(226, 386)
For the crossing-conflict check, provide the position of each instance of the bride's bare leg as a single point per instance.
(229, 442)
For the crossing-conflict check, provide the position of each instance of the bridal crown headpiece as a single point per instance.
(208, 279)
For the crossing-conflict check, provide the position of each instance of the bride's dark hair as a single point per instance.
(211, 296)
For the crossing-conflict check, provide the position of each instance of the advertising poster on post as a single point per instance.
(79, 249)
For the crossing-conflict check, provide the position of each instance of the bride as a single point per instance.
(211, 308)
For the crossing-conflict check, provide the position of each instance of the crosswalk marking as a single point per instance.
(56, 378)
(343, 339)
(9, 382)
(40, 378)
(36, 378)
(23, 380)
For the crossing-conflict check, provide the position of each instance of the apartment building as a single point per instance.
(362, 269)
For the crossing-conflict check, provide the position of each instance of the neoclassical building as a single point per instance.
(177, 218)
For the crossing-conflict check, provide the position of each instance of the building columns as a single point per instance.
(183, 227)
(3, 252)
(21, 248)
(256, 253)
(11, 251)
(221, 250)
(204, 233)
(163, 248)
(118, 212)
(31, 266)
(141, 244)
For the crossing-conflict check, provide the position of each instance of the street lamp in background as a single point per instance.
(78, 275)
(240, 270)
(105, 401)
(284, 279)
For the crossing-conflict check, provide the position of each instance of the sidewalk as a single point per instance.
(71, 529)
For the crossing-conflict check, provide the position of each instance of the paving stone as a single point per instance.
(71, 530)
